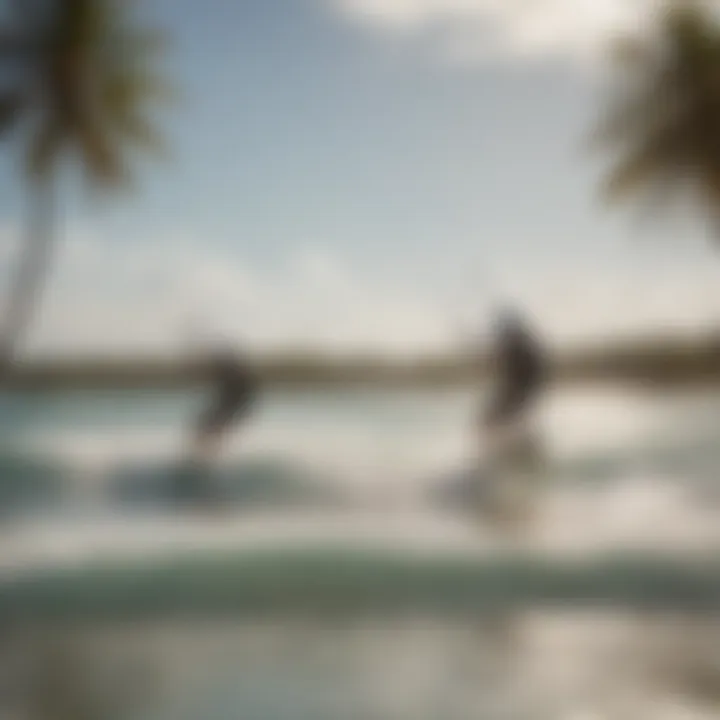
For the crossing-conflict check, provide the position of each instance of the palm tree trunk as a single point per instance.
(28, 279)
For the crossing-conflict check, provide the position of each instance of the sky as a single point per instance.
(369, 175)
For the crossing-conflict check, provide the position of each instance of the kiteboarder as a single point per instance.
(506, 426)
(235, 389)
(521, 372)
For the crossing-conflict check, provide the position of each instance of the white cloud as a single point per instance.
(163, 294)
(475, 30)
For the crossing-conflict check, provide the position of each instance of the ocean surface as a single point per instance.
(341, 577)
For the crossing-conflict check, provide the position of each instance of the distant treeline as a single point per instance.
(662, 361)
(659, 361)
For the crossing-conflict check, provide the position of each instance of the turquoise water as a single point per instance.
(624, 470)
(100, 451)
(336, 581)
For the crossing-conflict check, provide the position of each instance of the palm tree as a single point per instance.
(663, 124)
(82, 75)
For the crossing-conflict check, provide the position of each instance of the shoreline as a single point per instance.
(664, 363)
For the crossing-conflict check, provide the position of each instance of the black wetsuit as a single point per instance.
(236, 389)
(522, 372)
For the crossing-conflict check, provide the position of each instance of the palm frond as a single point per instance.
(637, 116)
(96, 75)
(662, 121)
(658, 157)
(143, 134)
(104, 97)
(126, 90)
(100, 154)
